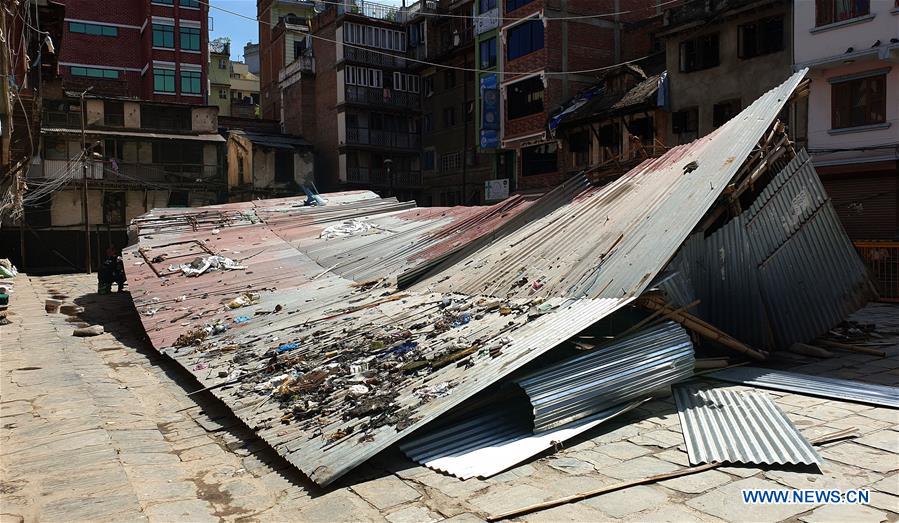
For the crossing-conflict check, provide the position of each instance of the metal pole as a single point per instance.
(84, 211)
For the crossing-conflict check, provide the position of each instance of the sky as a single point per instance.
(238, 29)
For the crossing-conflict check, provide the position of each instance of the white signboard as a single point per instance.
(496, 189)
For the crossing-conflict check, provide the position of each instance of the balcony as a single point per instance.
(382, 97)
(375, 10)
(379, 138)
(133, 172)
(378, 177)
(372, 59)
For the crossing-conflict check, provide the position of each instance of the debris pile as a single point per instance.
(201, 265)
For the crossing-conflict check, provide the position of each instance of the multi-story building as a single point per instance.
(135, 155)
(549, 50)
(453, 169)
(220, 75)
(146, 49)
(283, 30)
(357, 101)
(251, 57)
(244, 91)
(721, 56)
(852, 52)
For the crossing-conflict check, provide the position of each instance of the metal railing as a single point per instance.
(380, 59)
(379, 177)
(380, 138)
(882, 259)
(375, 10)
(383, 97)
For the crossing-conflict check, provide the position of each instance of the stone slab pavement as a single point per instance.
(103, 429)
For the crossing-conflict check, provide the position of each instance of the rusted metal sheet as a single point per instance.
(330, 362)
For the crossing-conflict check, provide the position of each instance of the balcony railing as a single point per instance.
(380, 59)
(378, 177)
(375, 10)
(380, 138)
(383, 97)
(125, 172)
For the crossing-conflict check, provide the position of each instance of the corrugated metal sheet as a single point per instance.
(634, 224)
(726, 426)
(611, 374)
(491, 442)
(833, 388)
(782, 272)
(582, 254)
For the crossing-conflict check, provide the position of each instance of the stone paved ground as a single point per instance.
(102, 429)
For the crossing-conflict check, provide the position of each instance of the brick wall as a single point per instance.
(325, 138)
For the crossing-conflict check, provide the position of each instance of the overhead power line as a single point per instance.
(435, 64)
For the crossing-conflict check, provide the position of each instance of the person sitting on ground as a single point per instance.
(111, 270)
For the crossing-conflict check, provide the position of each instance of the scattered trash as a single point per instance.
(192, 337)
(344, 229)
(247, 298)
(201, 366)
(287, 347)
(209, 263)
(93, 330)
(358, 390)
(241, 319)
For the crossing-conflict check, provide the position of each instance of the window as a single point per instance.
(685, 124)
(223, 64)
(95, 72)
(699, 53)
(190, 82)
(642, 128)
(164, 36)
(427, 160)
(223, 94)
(512, 5)
(374, 37)
(449, 79)
(857, 102)
(113, 208)
(525, 38)
(488, 53)
(427, 85)
(195, 4)
(450, 162)
(405, 82)
(181, 153)
(363, 76)
(722, 112)
(93, 29)
(832, 11)
(164, 80)
(487, 5)
(449, 116)
(427, 123)
(179, 198)
(164, 117)
(113, 113)
(190, 38)
(579, 144)
(284, 166)
(539, 159)
(163, 2)
(761, 37)
(525, 98)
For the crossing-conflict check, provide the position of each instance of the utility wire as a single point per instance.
(434, 64)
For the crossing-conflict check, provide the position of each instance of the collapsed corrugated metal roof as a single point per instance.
(844, 390)
(783, 267)
(273, 140)
(330, 362)
(722, 425)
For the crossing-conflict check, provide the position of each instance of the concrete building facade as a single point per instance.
(148, 49)
(720, 58)
(283, 26)
(852, 52)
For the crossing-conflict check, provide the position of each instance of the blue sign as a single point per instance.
(489, 112)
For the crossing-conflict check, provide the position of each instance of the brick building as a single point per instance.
(533, 46)
(148, 49)
(453, 169)
(283, 26)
